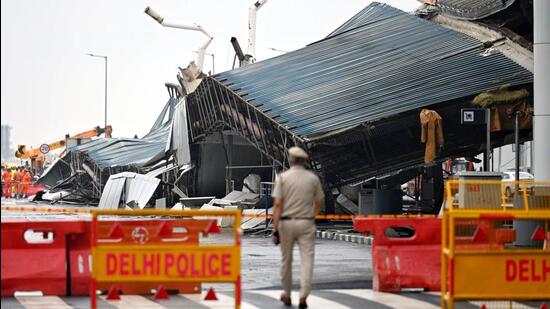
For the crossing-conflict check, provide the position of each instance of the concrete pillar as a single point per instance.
(541, 122)
(541, 126)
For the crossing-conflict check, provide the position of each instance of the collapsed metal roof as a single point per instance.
(472, 9)
(109, 152)
(383, 62)
(85, 168)
(327, 97)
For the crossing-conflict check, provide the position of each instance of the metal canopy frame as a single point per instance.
(214, 107)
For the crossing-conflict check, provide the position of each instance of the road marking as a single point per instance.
(132, 302)
(255, 299)
(388, 299)
(312, 300)
(224, 301)
(42, 302)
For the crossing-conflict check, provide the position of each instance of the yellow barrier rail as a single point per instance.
(496, 194)
(479, 258)
(157, 260)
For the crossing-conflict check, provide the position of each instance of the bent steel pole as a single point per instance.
(202, 49)
(252, 11)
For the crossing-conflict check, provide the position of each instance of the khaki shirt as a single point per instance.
(298, 188)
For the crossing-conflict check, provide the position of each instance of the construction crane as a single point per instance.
(36, 155)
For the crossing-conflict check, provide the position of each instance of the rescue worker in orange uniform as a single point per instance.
(6, 179)
(25, 182)
(17, 176)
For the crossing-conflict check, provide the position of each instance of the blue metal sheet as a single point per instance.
(128, 151)
(472, 9)
(380, 63)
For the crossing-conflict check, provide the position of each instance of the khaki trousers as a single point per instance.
(302, 232)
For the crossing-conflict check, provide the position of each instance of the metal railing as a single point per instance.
(481, 257)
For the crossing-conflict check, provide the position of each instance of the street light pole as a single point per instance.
(208, 54)
(202, 49)
(105, 58)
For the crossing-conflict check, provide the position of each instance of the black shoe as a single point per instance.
(286, 300)
(302, 305)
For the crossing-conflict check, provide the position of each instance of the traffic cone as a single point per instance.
(161, 293)
(211, 295)
(113, 294)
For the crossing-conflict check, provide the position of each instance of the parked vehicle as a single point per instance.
(509, 177)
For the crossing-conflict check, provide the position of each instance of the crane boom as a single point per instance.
(25, 154)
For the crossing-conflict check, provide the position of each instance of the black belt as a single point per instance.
(297, 218)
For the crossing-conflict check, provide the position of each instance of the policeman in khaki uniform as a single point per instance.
(298, 199)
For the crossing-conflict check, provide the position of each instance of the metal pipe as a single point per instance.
(518, 152)
(487, 155)
(237, 48)
(252, 11)
(202, 49)
(105, 58)
(105, 92)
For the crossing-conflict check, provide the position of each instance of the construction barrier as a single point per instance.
(162, 251)
(34, 255)
(54, 256)
(406, 252)
(481, 256)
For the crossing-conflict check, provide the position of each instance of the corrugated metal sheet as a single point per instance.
(472, 9)
(136, 187)
(180, 134)
(380, 63)
(110, 198)
(129, 151)
(140, 188)
(370, 14)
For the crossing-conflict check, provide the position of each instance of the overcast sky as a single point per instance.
(51, 88)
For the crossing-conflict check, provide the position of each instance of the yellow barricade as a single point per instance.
(482, 259)
(149, 250)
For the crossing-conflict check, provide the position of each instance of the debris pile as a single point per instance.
(82, 174)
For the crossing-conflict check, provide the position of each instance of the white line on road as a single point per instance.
(224, 301)
(132, 302)
(312, 301)
(42, 302)
(388, 299)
